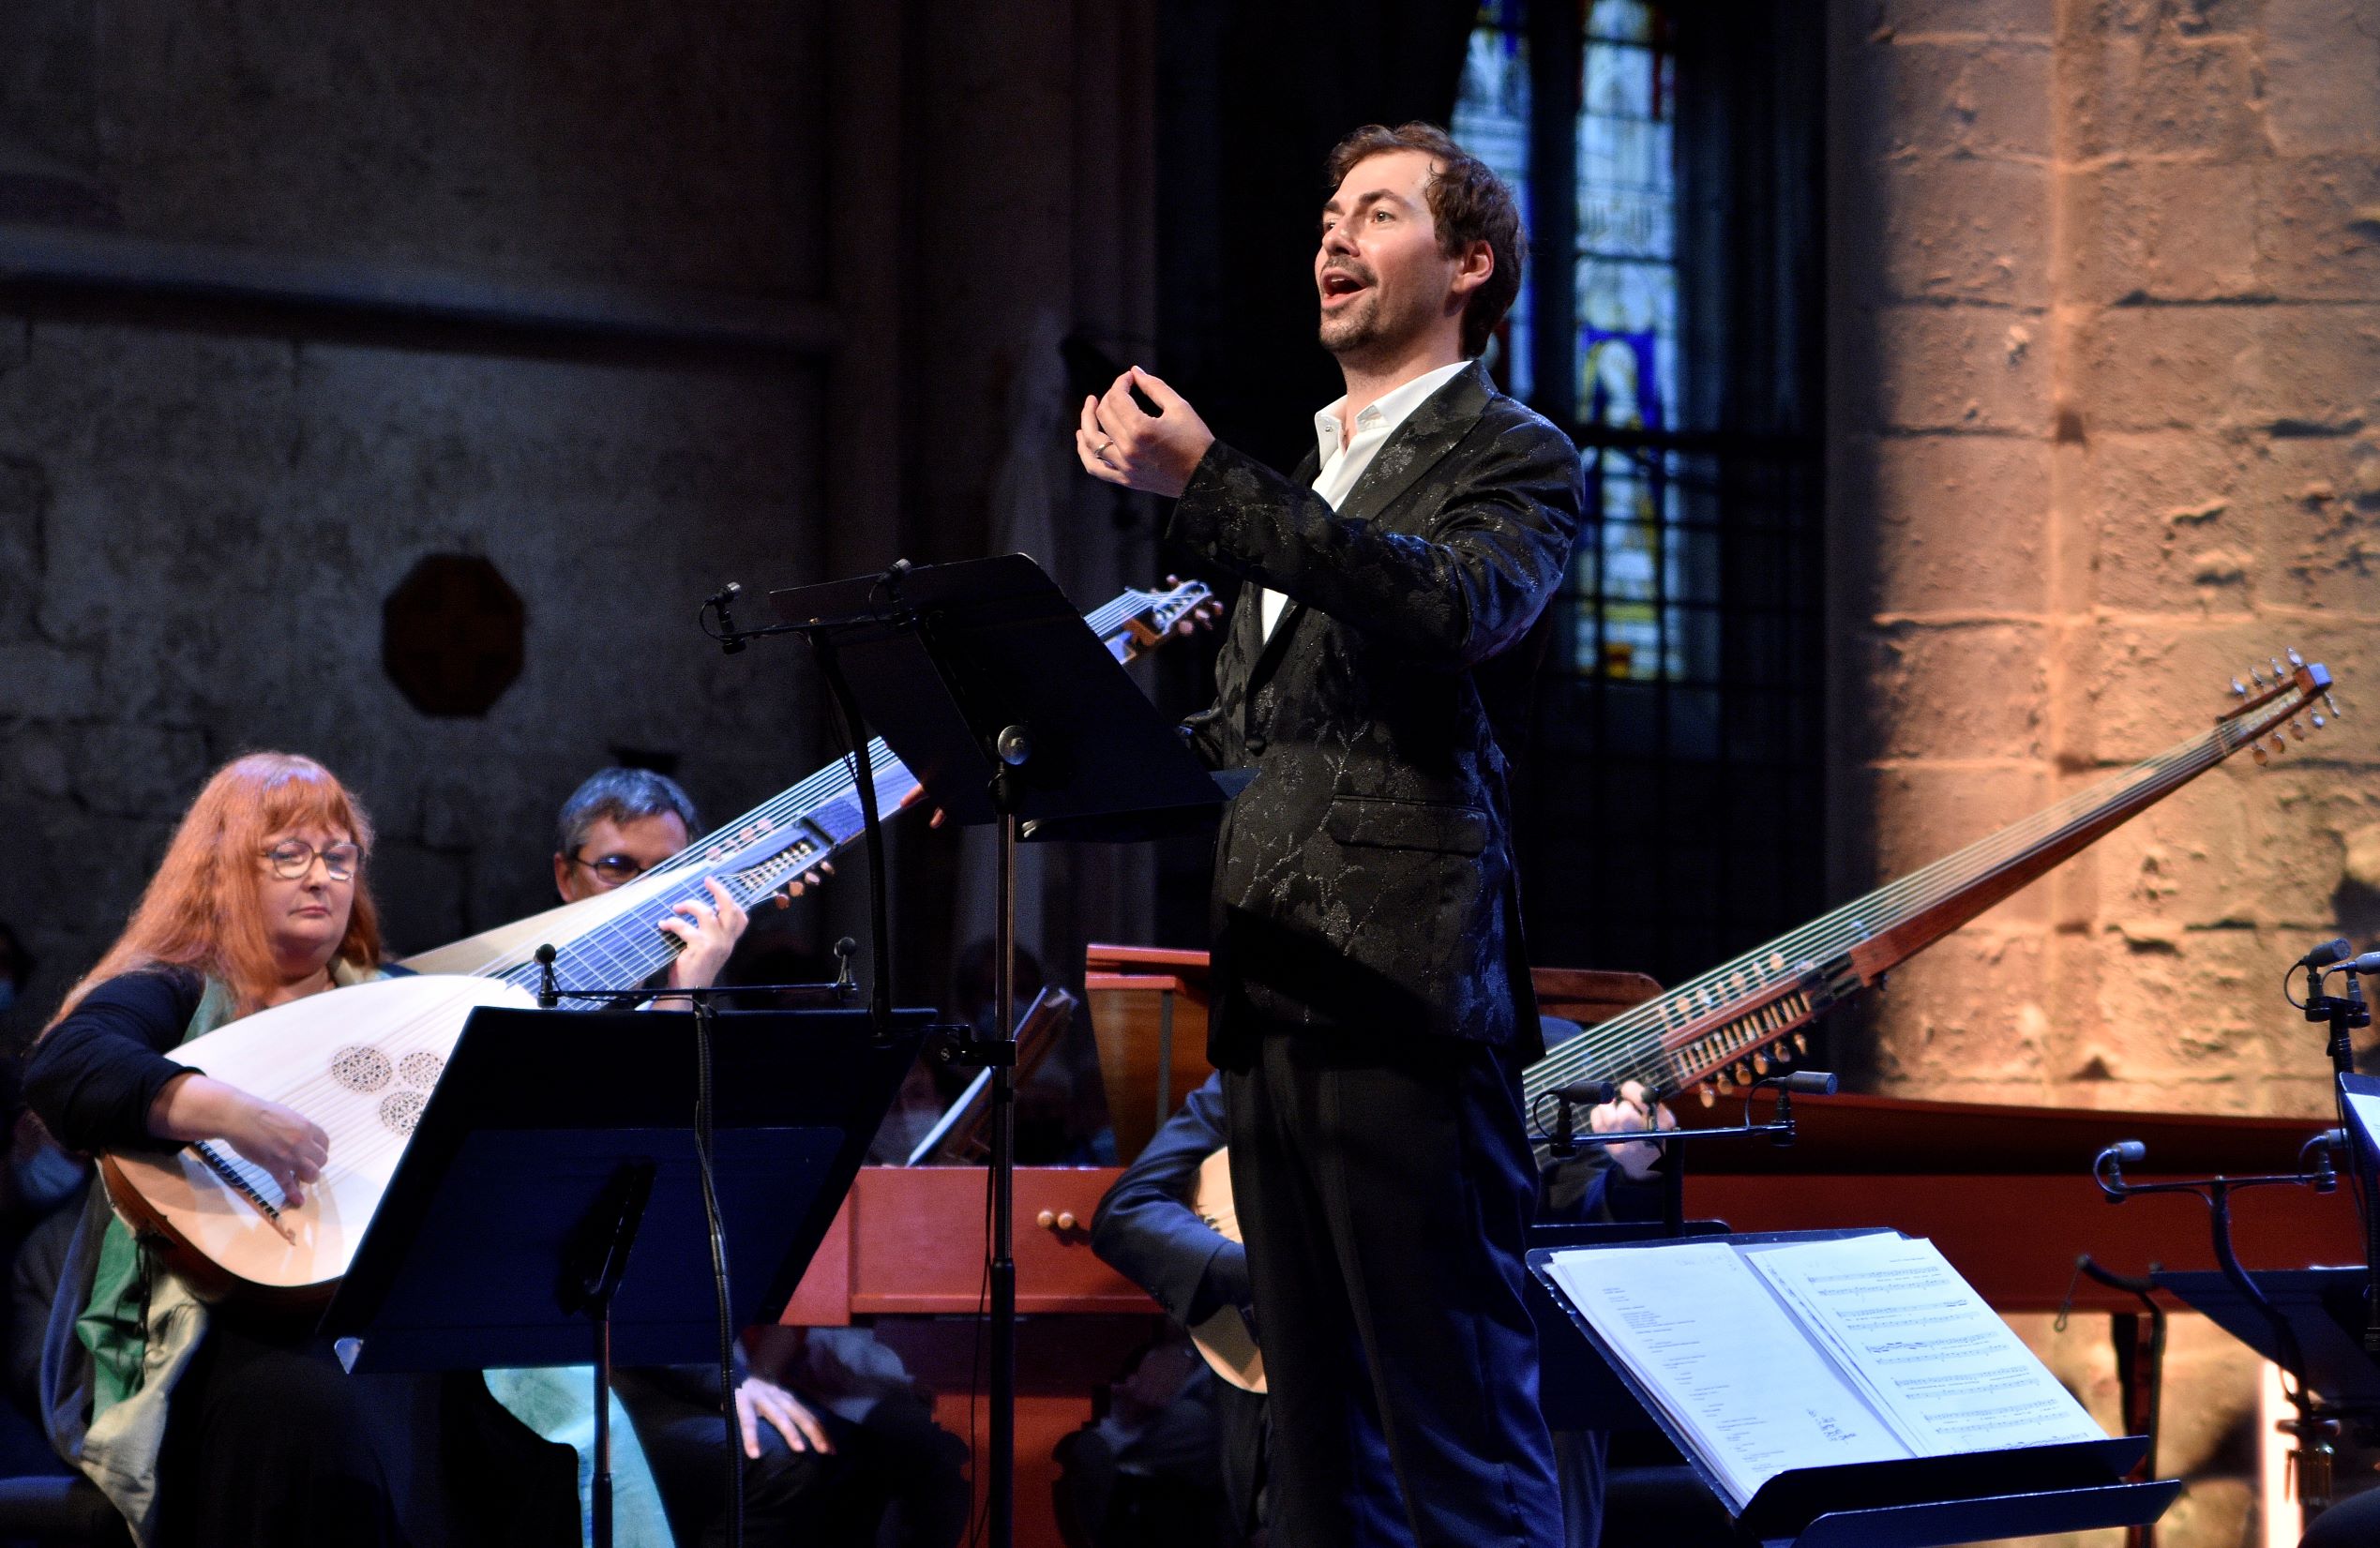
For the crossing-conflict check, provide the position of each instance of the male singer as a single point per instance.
(1373, 1006)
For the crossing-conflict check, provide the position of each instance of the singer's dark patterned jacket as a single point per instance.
(1364, 881)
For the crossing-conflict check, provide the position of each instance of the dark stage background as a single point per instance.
(489, 345)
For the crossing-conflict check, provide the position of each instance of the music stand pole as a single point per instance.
(982, 677)
(1003, 1483)
(604, 1257)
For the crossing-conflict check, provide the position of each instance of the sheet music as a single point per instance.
(1922, 1345)
(1724, 1358)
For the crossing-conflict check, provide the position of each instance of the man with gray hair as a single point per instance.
(627, 799)
(615, 827)
(620, 824)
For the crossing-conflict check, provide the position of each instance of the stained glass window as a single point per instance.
(1491, 121)
(1632, 562)
(1669, 791)
(1627, 288)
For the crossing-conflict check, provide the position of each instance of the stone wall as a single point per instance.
(202, 507)
(210, 525)
(204, 501)
(2107, 396)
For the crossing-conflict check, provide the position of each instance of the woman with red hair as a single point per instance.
(218, 1425)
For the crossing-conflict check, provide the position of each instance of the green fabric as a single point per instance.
(114, 1326)
(558, 1401)
(114, 1322)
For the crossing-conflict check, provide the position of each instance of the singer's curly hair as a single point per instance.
(1469, 203)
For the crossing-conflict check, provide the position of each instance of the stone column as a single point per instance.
(2107, 327)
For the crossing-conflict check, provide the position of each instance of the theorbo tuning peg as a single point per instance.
(2336, 712)
(2239, 688)
(2256, 751)
(2279, 742)
(2318, 721)
(2256, 677)
(2278, 672)
(2296, 732)
(2295, 659)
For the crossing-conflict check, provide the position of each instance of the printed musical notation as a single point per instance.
(1773, 1357)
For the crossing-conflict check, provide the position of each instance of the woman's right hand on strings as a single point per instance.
(283, 1141)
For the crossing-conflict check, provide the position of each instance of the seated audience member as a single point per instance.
(884, 1473)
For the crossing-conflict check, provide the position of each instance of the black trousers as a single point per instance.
(1383, 1186)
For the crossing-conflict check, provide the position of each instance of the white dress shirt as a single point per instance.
(1343, 464)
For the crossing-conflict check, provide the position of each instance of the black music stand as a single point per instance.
(2323, 1307)
(996, 695)
(559, 1147)
(1912, 1502)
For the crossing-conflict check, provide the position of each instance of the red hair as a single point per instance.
(202, 911)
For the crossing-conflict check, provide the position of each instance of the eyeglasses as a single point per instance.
(292, 858)
(613, 870)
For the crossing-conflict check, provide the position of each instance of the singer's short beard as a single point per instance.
(1378, 330)
(1355, 330)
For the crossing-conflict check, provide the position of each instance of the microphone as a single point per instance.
(1805, 1082)
(2327, 953)
(1564, 1143)
(2107, 1167)
(846, 985)
(1591, 1092)
(2368, 963)
(548, 992)
(2326, 1165)
(725, 597)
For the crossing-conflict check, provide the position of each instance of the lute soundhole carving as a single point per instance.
(401, 1110)
(363, 1069)
(360, 1069)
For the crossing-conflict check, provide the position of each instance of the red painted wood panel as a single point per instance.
(909, 1241)
(824, 1298)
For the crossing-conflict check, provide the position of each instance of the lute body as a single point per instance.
(359, 1062)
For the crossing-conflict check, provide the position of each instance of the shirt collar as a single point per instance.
(1390, 410)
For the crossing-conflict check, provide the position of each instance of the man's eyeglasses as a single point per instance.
(613, 870)
(292, 858)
